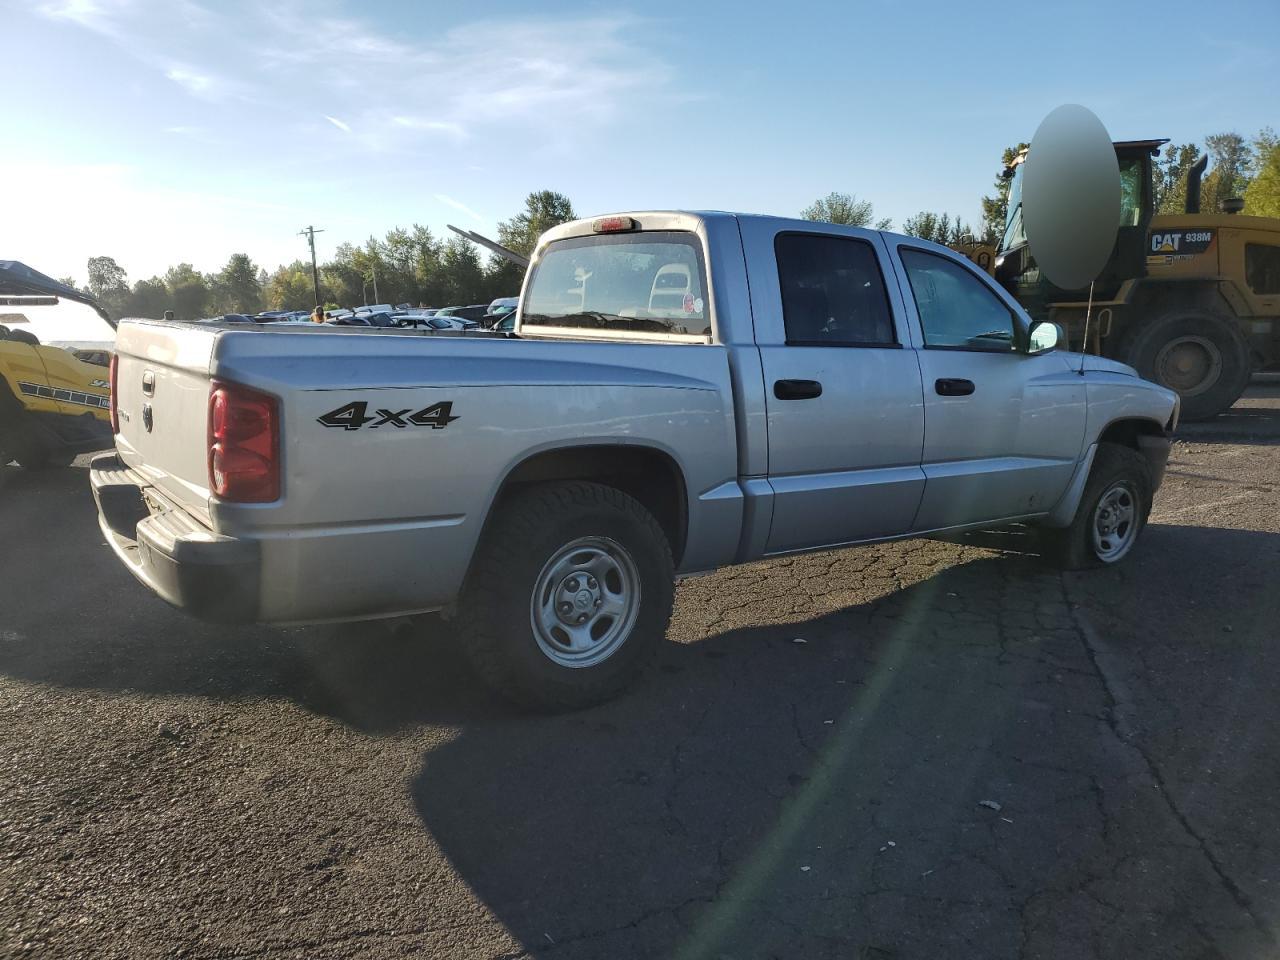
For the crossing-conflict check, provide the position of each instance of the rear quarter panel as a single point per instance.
(381, 518)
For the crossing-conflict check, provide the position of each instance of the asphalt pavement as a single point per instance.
(922, 749)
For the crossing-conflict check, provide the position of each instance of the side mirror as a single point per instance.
(1044, 336)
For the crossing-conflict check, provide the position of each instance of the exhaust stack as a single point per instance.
(1193, 184)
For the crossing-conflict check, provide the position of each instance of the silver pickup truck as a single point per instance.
(684, 391)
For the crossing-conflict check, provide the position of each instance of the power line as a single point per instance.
(310, 234)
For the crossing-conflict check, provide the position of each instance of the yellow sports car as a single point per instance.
(54, 393)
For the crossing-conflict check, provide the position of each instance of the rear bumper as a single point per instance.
(209, 576)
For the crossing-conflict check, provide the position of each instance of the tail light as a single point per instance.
(244, 444)
(113, 379)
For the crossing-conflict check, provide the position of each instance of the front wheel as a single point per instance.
(569, 596)
(1112, 512)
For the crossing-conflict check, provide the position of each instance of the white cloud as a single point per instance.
(237, 91)
(552, 77)
(198, 84)
(455, 131)
(96, 15)
(459, 205)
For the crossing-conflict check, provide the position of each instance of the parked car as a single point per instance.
(506, 324)
(501, 307)
(430, 322)
(439, 322)
(690, 391)
(475, 312)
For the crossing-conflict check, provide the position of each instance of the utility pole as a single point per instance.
(310, 234)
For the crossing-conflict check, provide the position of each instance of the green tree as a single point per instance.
(344, 275)
(995, 210)
(502, 278)
(418, 252)
(290, 288)
(1262, 197)
(1232, 158)
(108, 284)
(189, 292)
(236, 287)
(938, 227)
(1170, 180)
(462, 275)
(148, 298)
(846, 209)
(543, 210)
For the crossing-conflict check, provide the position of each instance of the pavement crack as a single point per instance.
(1120, 729)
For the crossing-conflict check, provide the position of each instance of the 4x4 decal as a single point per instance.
(354, 415)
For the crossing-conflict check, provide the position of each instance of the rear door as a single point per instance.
(842, 385)
(1003, 429)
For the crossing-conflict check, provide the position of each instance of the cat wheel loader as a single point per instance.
(1190, 300)
(54, 394)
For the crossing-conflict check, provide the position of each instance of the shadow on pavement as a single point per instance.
(71, 615)
(1247, 423)
(930, 773)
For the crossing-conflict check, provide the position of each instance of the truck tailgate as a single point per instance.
(162, 393)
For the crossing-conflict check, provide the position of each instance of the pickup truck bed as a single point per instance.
(743, 386)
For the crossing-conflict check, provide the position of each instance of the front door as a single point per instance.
(1003, 429)
(842, 385)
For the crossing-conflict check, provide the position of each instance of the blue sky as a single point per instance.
(159, 131)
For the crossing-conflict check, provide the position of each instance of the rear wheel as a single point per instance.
(1112, 512)
(569, 596)
(1199, 353)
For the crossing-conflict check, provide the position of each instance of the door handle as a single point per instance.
(797, 389)
(953, 388)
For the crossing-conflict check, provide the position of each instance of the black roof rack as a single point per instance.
(19, 280)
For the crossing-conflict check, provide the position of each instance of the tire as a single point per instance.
(1122, 478)
(553, 554)
(1196, 351)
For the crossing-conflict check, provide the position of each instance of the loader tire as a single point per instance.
(1196, 351)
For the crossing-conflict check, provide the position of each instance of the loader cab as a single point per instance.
(1016, 269)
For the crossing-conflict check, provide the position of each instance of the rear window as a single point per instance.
(626, 283)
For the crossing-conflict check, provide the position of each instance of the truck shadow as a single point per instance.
(71, 616)
(922, 765)
(754, 795)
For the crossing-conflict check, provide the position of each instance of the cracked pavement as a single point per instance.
(970, 755)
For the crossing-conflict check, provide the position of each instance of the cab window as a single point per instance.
(1131, 171)
(832, 292)
(957, 310)
(1262, 267)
